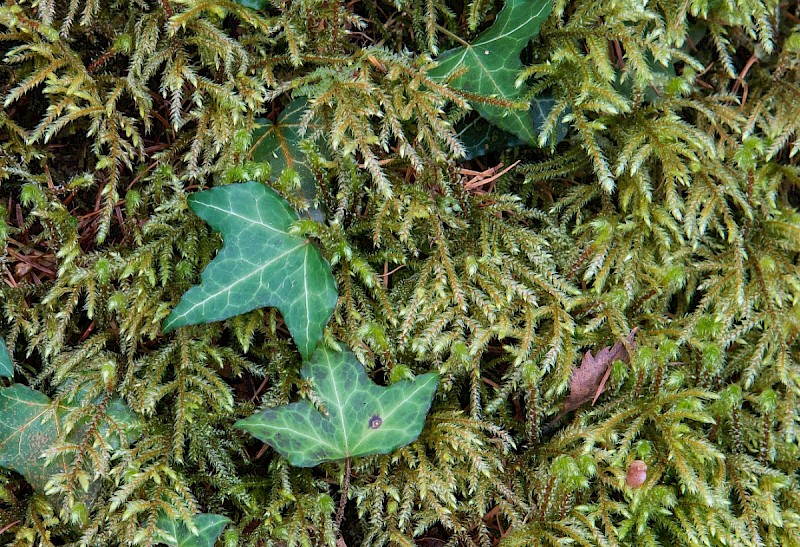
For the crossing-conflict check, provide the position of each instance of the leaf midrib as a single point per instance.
(302, 434)
(507, 35)
(259, 222)
(389, 414)
(340, 407)
(230, 287)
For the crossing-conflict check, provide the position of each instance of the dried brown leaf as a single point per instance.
(589, 379)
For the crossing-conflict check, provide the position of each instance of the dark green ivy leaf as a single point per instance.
(260, 264)
(253, 4)
(492, 64)
(361, 417)
(30, 423)
(6, 364)
(176, 534)
(278, 144)
(480, 137)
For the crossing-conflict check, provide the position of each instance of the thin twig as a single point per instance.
(167, 8)
(8, 527)
(343, 496)
(485, 177)
(740, 79)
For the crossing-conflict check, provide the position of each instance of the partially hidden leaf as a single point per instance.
(589, 379)
(124, 418)
(541, 107)
(659, 77)
(481, 137)
(30, 423)
(254, 4)
(491, 64)
(360, 418)
(278, 144)
(175, 533)
(260, 264)
(6, 364)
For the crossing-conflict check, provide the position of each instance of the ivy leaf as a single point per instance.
(6, 364)
(260, 264)
(658, 79)
(253, 4)
(480, 137)
(30, 424)
(176, 534)
(360, 418)
(278, 144)
(493, 64)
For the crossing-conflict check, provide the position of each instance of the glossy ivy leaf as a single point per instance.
(491, 64)
(541, 107)
(30, 424)
(6, 365)
(260, 264)
(176, 534)
(278, 144)
(360, 418)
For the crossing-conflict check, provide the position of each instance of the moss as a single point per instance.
(669, 205)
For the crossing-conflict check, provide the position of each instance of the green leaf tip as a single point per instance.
(493, 64)
(6, 364)
(362, 418)
(260, 264)
(176, 534)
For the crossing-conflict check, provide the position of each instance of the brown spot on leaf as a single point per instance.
(375, 422)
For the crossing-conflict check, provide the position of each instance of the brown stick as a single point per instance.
(740, 78)
(167, 8)
(343, 496)
(8, 527)
(100, 61)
